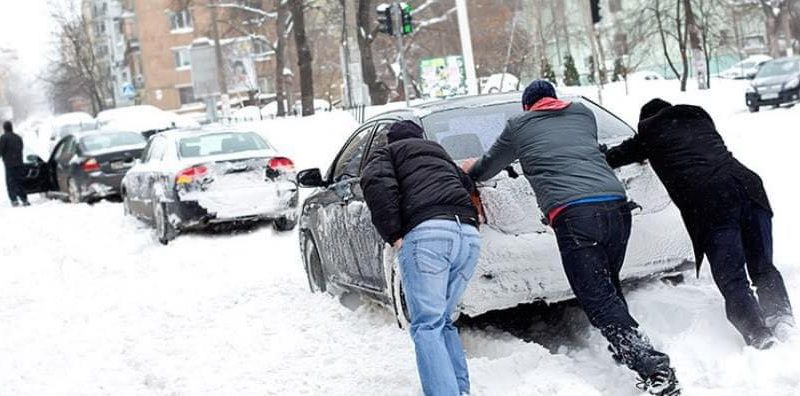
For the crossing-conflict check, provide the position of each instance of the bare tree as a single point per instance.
(76, 69)
(777, 13)
(304, 57)
(679, 35)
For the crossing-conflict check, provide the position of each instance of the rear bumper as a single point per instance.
(199, 209)
(525, 268)
(755, 99)
(101, 185)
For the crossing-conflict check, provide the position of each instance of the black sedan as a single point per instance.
(520, 262)
(776, 83)
(85, 166)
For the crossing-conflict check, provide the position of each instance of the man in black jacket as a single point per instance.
(11, 151)
(725, 209)
(420, 203)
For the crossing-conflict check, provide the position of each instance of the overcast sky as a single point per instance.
(25, 26)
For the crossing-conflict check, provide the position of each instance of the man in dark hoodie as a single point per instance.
(585, 203)
(420, 203)
(725, 209)
(11, 151)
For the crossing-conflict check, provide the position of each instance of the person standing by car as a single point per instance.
(420, 204)
(585, 203)
(11, 151)
(725, 209)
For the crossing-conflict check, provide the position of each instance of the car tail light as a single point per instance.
(91, 165)
(189, 175)
(281, 164)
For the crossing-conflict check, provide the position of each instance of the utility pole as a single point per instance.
(466, 46)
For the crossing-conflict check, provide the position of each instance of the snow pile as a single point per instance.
(90, 304)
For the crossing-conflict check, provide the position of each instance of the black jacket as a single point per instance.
(701, 176)
(11, 149)
(413, 180)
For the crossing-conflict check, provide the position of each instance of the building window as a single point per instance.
(187, 95)
(180, 20)
(182, 58)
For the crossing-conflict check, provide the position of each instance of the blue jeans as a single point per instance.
(437, 260)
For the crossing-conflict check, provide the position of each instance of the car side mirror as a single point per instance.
(311, 178)
(35, 159)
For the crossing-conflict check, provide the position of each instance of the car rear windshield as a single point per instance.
(780, 67)
(108, 141)
(470, 132)
(220, 143)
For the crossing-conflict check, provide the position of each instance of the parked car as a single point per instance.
(193, 179)
(777, 83)
(145, 119)
(746, 68)
(68, 123)
(85, 166)
(520, 262)
(645, 75)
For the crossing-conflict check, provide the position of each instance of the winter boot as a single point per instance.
(630, 347)
(782, 326)
(661, 383)
(762, 339)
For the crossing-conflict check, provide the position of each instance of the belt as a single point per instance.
(463, 220)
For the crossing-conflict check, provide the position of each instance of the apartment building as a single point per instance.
(160, 34)
(106, 22)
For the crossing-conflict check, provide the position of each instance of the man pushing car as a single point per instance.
(585, 203)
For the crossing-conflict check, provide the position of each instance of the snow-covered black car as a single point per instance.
(520, 262)
(85, 166)
(777, 82)
(195, 178)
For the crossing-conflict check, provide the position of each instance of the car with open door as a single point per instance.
(85, 166)
(520, 262)
(193, 179)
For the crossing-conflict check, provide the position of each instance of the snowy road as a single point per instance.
(90, 304)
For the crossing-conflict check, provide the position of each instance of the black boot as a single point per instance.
(661, 383)
(630, 347)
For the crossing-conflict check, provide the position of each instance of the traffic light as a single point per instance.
(407, 24)
(595, 4)
(385, 19)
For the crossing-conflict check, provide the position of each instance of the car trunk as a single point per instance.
(240, 188)
(510, 205)
(116, 162)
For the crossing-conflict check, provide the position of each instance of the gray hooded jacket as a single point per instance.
(559, 153)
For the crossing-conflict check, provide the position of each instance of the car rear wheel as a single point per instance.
(73, 191)
(316, 278)
(754, 109)
(165, 231)
(284, 224)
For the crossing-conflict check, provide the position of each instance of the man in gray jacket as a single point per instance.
(585, 203)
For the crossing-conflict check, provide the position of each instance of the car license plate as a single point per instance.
(769, 96)
(118, 165)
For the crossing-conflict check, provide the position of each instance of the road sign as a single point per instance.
(128, 91)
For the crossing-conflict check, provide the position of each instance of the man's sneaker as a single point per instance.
(14, 203)
(782, 326)
(661, 383)
(26, 203)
